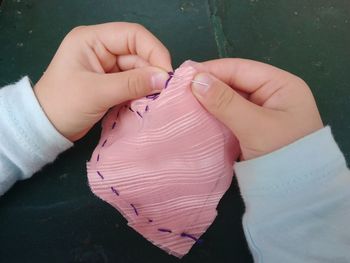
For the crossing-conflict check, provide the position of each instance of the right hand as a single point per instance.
(97, 67)
(265, 107)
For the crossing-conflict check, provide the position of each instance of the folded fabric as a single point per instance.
(164, 163)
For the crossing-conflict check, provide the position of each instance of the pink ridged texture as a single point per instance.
(164, 163)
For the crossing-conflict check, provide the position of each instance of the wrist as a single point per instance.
(51, 112)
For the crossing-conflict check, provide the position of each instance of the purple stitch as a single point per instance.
(139, 114)
(117, 114)
(131, 109)
(113, 126)
(100, 175)
(135, 210)
(171, 74)
(146, 109)
(153, 96)
(114, 191)
(199, 241)
(103, 144)
(150, 220)
(165, 230)
(98, 157)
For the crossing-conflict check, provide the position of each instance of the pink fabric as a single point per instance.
(164, 163)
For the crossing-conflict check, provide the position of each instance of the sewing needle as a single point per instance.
(193, 81)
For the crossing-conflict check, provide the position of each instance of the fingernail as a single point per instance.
(159, 80)
(201, 83)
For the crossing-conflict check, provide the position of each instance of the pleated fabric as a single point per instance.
(164, 163)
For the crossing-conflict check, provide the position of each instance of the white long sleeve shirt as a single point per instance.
(297, 198)
(298, 202)
(28, 140)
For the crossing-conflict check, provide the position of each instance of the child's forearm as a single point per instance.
(27, 139)
(298, 202)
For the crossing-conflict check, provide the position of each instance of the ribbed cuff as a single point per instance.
(307, 160)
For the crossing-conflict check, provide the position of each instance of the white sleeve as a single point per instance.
(298, 202)
(28, 140)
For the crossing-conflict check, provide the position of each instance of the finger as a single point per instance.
(116, 88)
(243, 74)
(122, 38)
(237, 113)
(201, 67)
(128, 62)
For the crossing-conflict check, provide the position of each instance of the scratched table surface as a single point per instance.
(53, 217)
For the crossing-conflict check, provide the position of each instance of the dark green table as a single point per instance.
(53, 217)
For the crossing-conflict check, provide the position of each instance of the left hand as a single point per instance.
(97, 67)
(265, 107)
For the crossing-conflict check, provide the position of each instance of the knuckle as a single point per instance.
(300, 81)
(138, 27)
(294, 79)
(223, 99)
(298, 84)
(76, 30)
(135, 86)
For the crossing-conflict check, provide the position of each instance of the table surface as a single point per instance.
(53, 217)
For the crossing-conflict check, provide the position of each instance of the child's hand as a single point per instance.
(97, 67)
(275, 107)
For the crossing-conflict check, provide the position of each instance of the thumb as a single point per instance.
(116, 88)
(236, 112)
